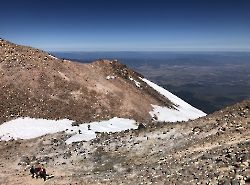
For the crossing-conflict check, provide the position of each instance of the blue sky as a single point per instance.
(127, 25)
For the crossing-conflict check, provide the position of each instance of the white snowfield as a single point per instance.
(182, 112)
(113, 125)
(28, 128)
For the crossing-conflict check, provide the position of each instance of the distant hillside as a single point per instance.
(36, 84)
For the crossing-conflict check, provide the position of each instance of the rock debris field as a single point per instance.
(210, 150)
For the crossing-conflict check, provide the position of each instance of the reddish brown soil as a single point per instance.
(35, 84)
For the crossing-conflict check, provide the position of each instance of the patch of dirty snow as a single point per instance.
(28, 128)
(138, 84)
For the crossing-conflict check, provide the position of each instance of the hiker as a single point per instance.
(43, 174)
(37, 171)
(33, 171)
(40, 171)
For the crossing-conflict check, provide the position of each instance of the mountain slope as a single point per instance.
(210, 150)
(36, 84)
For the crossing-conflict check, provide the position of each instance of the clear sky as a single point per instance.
(127, 25)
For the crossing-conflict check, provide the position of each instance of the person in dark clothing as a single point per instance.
(33, 171)
(43, 174)
(38, 171)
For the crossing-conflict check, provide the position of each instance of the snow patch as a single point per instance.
(173, 115)
(53, 57)
(182, 111)
(138, 84)
(110, 77)
(113, 125)
(28, 128)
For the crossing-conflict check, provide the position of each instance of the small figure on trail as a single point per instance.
(33, 171)
(89, 127)
(43, 174)
(38, 170)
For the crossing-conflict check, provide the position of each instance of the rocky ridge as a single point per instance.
(36, 84)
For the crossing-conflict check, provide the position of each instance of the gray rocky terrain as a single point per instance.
(211, 150)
